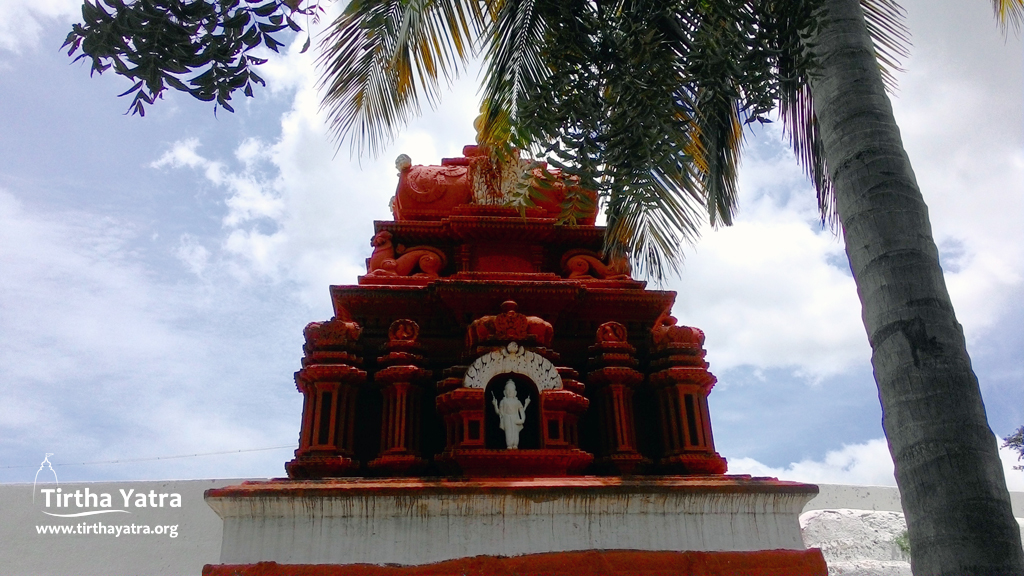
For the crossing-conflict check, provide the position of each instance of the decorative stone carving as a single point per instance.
(511, 415)
(611, 332)
(509, 326)
(612, 377)
(386, 260)
(424, 404)
(429, 191)
(681, 382)
(403, 331)
(481, 178)
(517, 360)
(586, 264)
(329, 381)
(401, 377)
(330, 335)
(665, 332)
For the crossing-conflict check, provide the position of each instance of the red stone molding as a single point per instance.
(582, 563)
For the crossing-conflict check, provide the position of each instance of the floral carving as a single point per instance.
(403, 331)
(611, 332)
(517, 360)
(509, 325)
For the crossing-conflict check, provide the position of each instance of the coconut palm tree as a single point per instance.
(645, 100)
(947, 466)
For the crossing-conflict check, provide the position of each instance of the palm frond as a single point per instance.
(514, 41)
(652, 173)
(886, 22)
(614, 110)
(720, 137)
(711, 43)
(378, 57)
(801, 124)
(1009, 13)
(647, 223)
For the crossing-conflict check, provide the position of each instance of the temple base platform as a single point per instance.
(670, 525)
(586, 563)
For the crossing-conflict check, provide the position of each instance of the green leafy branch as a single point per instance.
(198, 47)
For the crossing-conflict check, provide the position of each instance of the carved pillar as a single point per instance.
(561, 411)
(612, 376)
(400, 379)
(681, 381)
(329, 382)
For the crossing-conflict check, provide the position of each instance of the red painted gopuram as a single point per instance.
(486, 349)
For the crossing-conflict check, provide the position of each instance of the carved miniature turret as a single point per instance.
(613, 376)
(682, 383)
(329, 380)
(401, 378)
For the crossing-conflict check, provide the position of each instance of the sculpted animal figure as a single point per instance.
(386, 260)
(666, 332)
(588, 265)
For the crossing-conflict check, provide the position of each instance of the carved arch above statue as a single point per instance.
(517, 360)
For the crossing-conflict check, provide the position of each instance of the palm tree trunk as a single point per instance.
(947, 463)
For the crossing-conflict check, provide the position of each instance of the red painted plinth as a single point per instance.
(516, 463)
(586, 563)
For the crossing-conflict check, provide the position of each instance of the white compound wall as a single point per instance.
(26, 552)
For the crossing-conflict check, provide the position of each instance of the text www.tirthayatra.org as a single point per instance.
(115, 530)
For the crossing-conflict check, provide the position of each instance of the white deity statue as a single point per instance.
(511, 414)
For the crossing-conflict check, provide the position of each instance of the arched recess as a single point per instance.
(517, 360)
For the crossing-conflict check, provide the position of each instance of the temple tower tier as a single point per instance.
(498, 395)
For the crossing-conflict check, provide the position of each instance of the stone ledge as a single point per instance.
(716, 483)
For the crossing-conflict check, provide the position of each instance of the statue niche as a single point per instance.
(387, 260)
(482, 420)
(512, 418)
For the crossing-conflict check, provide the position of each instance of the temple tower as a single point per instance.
(494, 385)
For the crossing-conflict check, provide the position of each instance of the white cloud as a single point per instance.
(192, 254)
(959, 109)
(21, 21)
(298, 209)
(867, 464)
(99, 358)
(773, 290)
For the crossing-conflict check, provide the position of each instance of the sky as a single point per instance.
(156, 273)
